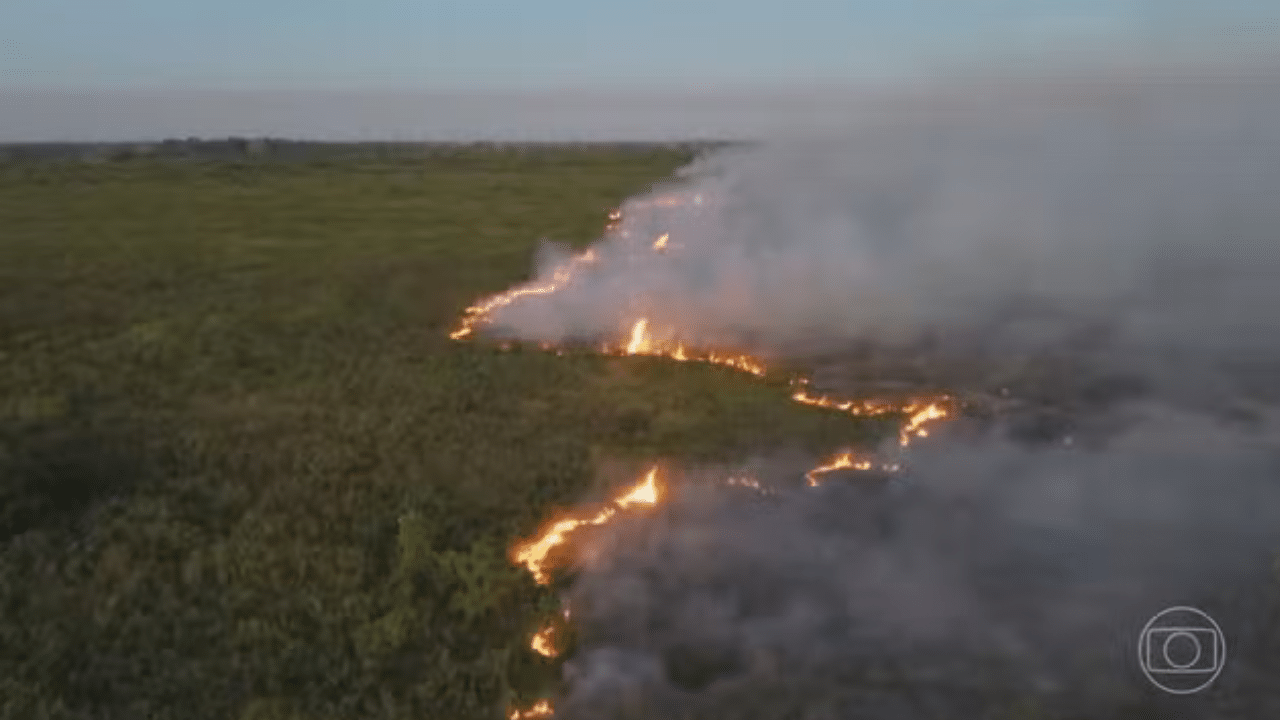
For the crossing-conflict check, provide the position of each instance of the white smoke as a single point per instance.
(989, 573)
(1129, 226)
(1143, 209)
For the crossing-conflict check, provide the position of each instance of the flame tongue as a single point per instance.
(480, 312)
(540, 709)
(646, 493)
(920, 416)
(641, 341)
(543, 642)
(535, 554)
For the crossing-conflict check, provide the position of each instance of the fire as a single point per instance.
(640, 341)
(920, 416)
(853, 407)
(543, 642)
(479, 312)
(919, 411)
(847, 460)
(842, 461)
(646, 493)
(534, 554)
(540, 709)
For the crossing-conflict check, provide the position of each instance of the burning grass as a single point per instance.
(323, 488)
(540, 554)
(325, 492)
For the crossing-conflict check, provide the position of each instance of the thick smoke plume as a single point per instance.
(1103, 215)
(1107, 247)
(989, 576)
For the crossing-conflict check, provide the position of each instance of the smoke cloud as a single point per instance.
(1134, 213)
(1108, 249)
(991, 574)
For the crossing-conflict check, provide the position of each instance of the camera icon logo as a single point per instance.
(1182, 650)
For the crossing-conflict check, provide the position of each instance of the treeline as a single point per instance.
(235, 148)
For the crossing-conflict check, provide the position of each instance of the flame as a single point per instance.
(853, 407)
(640, 341)
(479, 312)
(543, 642)
(534, 554)
(646, 493)
(847, 460)
(920, 416)
(919, 411)
(476, 314)
(540, 709)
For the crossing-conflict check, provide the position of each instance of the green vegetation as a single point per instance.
(243, 471)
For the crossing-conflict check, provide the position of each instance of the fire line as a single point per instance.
(537, 555)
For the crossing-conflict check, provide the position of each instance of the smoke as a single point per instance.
(1108, 248)
(1136, 211)
(990, 573)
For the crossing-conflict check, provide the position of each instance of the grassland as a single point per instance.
(243, 471)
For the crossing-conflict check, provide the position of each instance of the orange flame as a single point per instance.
(920, 416)
(847, 460)
(919, 411)
(646, 493)
(479, 312)
(543, 642)
(640, 341)
(540, 709)
(534, 554)
(842, 461)
(853, 407)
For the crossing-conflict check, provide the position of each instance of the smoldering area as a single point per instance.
(1103, 254)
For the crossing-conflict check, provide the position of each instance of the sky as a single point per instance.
(91, 49)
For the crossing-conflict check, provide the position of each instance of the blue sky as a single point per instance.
(530, 44)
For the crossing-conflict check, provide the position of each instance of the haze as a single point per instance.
(566, 70)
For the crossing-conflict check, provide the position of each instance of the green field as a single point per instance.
(243, 471)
